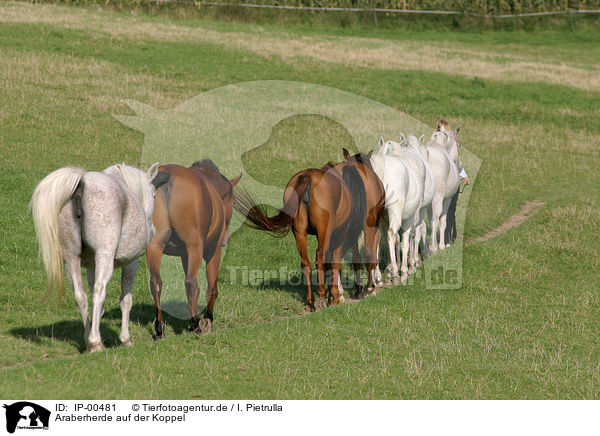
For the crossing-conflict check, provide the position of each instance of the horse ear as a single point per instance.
(381, 141)
(345, 153)
(236, 180)
(152, 172)
(421, 139)
(402, 138)
(457, 131)
(369, 154)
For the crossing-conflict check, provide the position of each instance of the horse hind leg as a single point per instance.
(337, 291)
(73, 273)
(443, 217)
(212, 277)
(434, 213)
(414, 249)
(191, 264)
(301, 244)
(392, 236)
(356, 265)
(377, 277)
(127, 278)
(154, 253)
(323, 243)
(405, 247)
(371, 258)
(103, 273)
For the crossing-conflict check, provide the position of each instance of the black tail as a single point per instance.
(280, 224)
(359, 206)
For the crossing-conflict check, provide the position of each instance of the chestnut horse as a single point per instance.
(191, 215)
(329, 203)
(375, 207)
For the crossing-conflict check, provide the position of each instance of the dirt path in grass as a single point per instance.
(518, 218)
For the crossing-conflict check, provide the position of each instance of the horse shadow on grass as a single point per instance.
(71, 331)
(295, 284)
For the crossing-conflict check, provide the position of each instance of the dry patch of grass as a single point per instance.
(445, 57)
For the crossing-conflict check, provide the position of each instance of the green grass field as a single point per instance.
(526, 322)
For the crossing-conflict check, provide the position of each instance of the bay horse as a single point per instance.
(375, 207)
(191, 215)
(99, 221)
(329, 203)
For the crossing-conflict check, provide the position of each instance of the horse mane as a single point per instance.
(206, 164)
(442, 125)
(363, 158)
(328, 165)
(210, 167)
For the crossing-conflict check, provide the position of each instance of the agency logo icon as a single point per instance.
(26, 415)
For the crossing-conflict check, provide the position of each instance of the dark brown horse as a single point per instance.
(191, 215)
(329, 203)
(375, 207)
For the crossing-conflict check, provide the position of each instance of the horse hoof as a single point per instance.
(205, 325)
(412, 270)
(95, 348)
(159, 328)
(336, 301)
(127, 343)
(320, 303)
(367, 293)
(341, 299)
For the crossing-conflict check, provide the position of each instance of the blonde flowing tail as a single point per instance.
(49, 197)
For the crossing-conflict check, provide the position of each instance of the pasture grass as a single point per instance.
(524, 325)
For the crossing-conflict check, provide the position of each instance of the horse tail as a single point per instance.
(280, 224)
(359, 205)
(49, 197)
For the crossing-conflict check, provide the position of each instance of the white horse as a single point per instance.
(403, 196)
(442, 149)
(411, 150)
(99, 221)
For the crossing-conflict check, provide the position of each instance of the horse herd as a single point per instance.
(103, 220)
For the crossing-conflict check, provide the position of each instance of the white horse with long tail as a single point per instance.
(98, 220)
(443, 156)
(411, 150)
(403, 196)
